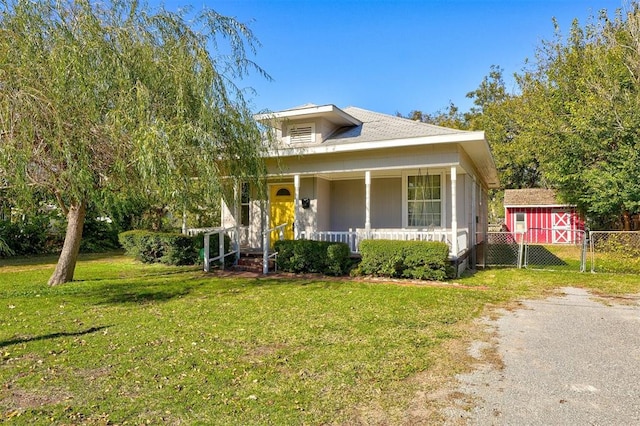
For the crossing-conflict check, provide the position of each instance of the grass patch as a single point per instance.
(137, 343)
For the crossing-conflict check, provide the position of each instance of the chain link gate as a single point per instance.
(615, 251)
(555, 249)
(502, 249)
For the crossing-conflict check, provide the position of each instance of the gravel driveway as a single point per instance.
(568, 360)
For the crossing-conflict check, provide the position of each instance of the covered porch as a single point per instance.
(430, 203)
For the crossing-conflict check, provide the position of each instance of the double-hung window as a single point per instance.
(424, 201)
(245, 201)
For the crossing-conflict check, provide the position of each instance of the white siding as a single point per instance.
(323, 204)
(386, 203)
(347, 204)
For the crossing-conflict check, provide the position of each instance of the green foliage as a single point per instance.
(313, 256)
(156, 247)
(31, 236)
(98, 236)
(581, 102)
(102, 102)
(169, 248)
(623, 245)
(424, 260)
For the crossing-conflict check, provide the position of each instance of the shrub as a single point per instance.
(313, 256)
(32, 236)
(423, 260)
(168, 248)
(97, 236)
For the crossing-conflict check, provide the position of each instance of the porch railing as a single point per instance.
(266, 243)
(353, 238)
(348, 237)
(232, 232)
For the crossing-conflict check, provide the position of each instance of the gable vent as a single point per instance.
(302, 133)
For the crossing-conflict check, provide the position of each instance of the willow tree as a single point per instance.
(100, 100)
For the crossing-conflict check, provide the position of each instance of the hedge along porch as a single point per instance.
(352, 174)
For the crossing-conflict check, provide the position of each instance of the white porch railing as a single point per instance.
(353, 238)
(463, 242)
(266, 243)
(234, 249)
(197, 231)
(348, 237)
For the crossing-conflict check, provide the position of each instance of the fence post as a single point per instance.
(265, 252)
(221, 252)
(206, 252)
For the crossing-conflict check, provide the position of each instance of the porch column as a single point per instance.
(367, 201)
(296, 202)
(265, 237)
(454, 212)
(237, 220)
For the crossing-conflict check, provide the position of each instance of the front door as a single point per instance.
(282, 204)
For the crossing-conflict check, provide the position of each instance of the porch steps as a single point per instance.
(252, 262)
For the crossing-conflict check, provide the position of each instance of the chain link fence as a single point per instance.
(501, 249)
(555, 249)
(562, 250)
(615, 251)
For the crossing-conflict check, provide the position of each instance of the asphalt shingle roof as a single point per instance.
(531, 197)
(376, 127)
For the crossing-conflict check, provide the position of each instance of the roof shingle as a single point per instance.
(376, 127)
(531, 197)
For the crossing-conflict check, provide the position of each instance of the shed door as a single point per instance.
(561, 226)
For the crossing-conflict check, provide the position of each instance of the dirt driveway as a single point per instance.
(569, 360)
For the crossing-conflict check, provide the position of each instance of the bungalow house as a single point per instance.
(350, 174)
(539, 214)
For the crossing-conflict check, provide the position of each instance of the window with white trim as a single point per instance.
(424, 201)
(520, 222)
(302, 133)
(245, 201)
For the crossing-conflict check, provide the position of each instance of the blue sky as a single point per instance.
(392, 56)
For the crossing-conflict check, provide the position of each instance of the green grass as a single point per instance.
(131, 344)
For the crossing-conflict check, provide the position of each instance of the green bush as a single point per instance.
(313, 256)
(424, 260)
(168, 248)
(98, 236)
(28, 237)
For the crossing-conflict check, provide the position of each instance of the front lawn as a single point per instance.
(131, 344)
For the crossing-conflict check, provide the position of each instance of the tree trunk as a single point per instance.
(71, 247)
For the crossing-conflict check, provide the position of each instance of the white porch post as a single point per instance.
(237, 221)
(265, 237)
(454, 212)
(296, 202)
(367, 201)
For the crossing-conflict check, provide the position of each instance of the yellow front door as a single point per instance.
(282, 204)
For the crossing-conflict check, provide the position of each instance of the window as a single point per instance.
(521, 224)
(245, 200)
(302, 133)
(283, 192)
(424, 201)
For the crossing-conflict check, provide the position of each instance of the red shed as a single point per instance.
(538, 212)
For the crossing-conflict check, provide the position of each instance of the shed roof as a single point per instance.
(531, 197)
